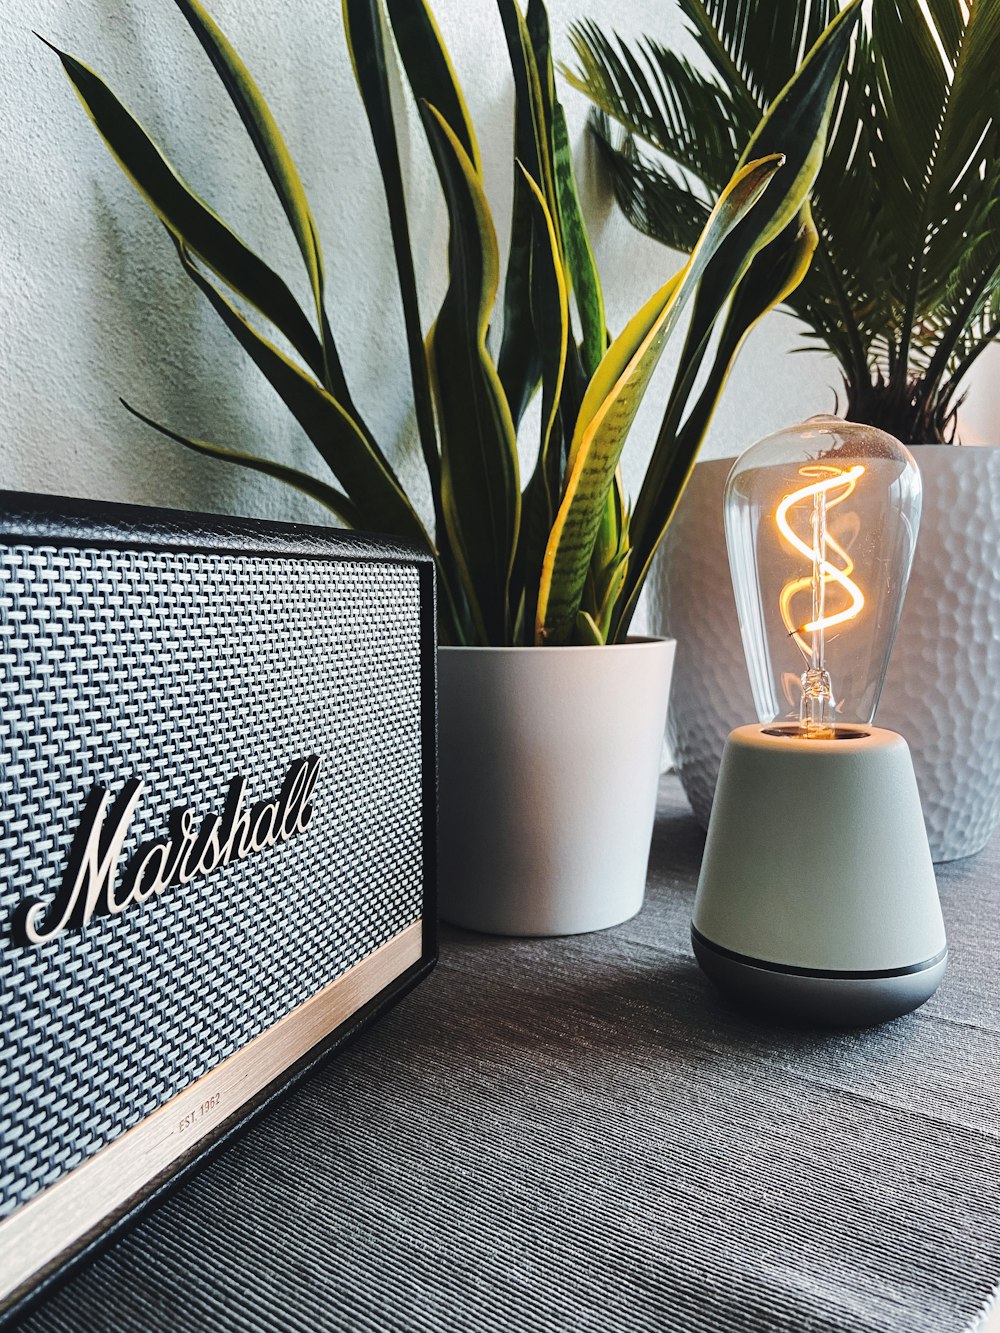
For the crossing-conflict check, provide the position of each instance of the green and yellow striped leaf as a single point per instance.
(610, 561)
(796, 125)
(366, 45)
(585, 280)
(480, 491)
(774, 273)
(520, 359)
(609, 407)
(549, 311)
(355, 461)
(277, 161)
(327, 495)
(187, 216)
(430, 72)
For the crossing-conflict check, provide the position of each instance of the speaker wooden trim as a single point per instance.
(62, 1217)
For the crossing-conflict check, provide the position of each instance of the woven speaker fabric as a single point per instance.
(187, 670)
(580, 1134)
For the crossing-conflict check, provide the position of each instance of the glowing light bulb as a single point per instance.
(821, 523)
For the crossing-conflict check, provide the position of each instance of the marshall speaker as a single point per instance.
(216, 838)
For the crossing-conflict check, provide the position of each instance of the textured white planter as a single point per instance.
(942, 691)
(548, 768)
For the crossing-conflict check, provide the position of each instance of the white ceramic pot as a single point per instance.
(548, 767)
(942, 691)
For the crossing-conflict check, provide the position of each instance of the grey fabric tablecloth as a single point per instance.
(580, 1134)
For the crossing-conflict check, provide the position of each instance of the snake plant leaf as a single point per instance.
(277, 161)
(532, 142)
(610, 561)
(520, 359)
(609, 407)
(429, 70)
(619, 355)
(366, 46)
(536, 24)
(550, 326)
(549, 314)
(543, 100)
(796, 124)
(772, 276)
(615, 586)
(355, 461)
(480, 490)
(187, 216)
(588, 632)
(585, 281)
(328, 496)
(798, 119)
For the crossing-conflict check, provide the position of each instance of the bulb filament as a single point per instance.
(824, 494)
(832, 487)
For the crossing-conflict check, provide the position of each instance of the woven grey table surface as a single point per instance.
(580, 1134)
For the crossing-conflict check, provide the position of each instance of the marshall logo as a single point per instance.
(91, 886)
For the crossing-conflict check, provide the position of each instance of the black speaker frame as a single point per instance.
(38, 519)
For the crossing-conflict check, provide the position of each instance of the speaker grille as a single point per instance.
(187, 670)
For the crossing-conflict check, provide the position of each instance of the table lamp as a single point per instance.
(817, 896)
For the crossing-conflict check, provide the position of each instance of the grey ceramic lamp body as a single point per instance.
(825, 911)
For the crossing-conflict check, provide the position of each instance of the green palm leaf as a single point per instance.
(905, 204)
(756, 48)
(650, 196)
(659, 98)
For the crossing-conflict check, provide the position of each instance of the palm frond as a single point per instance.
(761, 43)
(652, 198)
(903, 286)
(659, 98)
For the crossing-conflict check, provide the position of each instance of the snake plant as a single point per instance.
(562, 558)
(905, 288)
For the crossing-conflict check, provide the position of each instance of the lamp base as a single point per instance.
(817, 899)
(828, 999)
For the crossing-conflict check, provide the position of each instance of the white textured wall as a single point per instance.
(93, 305)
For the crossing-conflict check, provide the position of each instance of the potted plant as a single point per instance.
(904, 292)
(550, 717)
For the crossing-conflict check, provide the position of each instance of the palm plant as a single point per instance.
(905, 288)
(563, 558)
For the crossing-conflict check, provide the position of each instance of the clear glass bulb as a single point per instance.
(821, 524)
